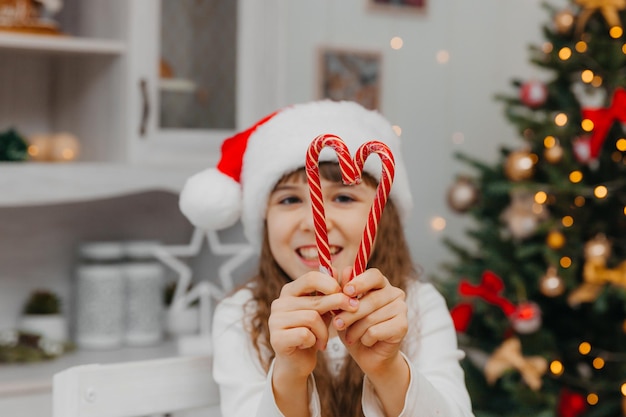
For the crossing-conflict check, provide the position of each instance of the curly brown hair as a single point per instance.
(341, 396)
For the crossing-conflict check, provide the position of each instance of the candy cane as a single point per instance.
(351, 174)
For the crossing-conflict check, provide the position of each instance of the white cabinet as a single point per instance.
(101, 83)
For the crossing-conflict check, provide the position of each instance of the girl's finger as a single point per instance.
(309, 283)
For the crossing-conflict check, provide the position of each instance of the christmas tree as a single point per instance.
(538, 294)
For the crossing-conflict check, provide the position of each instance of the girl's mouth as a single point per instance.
(309, 253)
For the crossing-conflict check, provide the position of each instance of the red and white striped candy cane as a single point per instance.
(351, 174)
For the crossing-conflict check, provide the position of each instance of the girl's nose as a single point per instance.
(307, 221)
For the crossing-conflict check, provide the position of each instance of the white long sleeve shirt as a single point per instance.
(436, 389)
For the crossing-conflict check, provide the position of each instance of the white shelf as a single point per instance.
(177, 85)
(24, 379)
(32, 183)
(61, 44)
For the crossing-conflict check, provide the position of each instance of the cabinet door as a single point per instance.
(191, 84)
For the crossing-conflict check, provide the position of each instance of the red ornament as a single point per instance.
(526, 318)
(571, 404)
(603, 119)
(533, 93)
(461, 316)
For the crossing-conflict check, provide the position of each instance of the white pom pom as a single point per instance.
(211, 200)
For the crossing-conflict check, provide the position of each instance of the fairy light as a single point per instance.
(597, 81)
(623, 389)
(565, 53)
(396, 42)
(621, 144)
(616, 32)
(560, 119)
(567, 221)
(581, 46)
(541, 197)
(600, 191)
(575, 177)
(586, 76)
(587, 125)
(624, 210)
(598, 363)
(579, 201)
(397, 129)
(565, 262)
(443, 56)
(549, 142)
(438, 223)
(556, 367)
(592, 398)
(616, 156)
(584, 348)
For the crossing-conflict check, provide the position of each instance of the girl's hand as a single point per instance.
(374, 332)
(299, 320)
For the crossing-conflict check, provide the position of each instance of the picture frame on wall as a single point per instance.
(350, 74)
(413, 6)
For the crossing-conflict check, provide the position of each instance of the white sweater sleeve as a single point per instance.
(245, 388)
(437, 386)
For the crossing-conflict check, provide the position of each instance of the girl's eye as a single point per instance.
(344, 198)
(292, 199)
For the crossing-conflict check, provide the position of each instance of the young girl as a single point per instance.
(295, 341)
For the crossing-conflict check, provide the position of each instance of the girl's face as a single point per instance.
(290, 228)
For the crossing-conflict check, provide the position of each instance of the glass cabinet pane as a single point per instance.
(198, 64)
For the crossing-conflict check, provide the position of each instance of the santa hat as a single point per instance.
(254, 160)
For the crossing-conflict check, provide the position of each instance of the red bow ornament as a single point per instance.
(489, 289)
(603, 119)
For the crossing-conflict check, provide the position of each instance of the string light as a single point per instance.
(443, 56)
(621, 144)
(565, 262)
(592, 398)
(587, 125)
(581, 46)
(565, 53)
(600, 191)
(584, 348)
(548, 47)
(576, 177)
(579, 201)
(616, 32)
(541, 197)
(624, 48)
(397, 129)
(597, 81)
(560, 119)
(567, 221)
(438, 223)
(623, 389)
(598, 363)
(556, 367)
(549, 142)
(586, 76)
(396, 42)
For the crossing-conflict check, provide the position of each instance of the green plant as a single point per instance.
(42, 302)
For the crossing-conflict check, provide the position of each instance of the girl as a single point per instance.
(297, 342)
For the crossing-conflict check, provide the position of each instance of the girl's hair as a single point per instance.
(340, 397)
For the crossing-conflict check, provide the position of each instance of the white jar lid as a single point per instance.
(140, 249)
(101, 250)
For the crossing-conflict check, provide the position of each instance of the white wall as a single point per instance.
(488, 42)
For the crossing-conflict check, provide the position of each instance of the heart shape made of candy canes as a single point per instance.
(351, 171)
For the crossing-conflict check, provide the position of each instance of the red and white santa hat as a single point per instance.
(254, 160)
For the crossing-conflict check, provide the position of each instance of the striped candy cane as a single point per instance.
(351, 174)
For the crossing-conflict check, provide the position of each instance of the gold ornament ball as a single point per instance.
(564, 22)
(519, 165)
(555, 239)
(551, 284)
(462, 195)
(554, 154)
